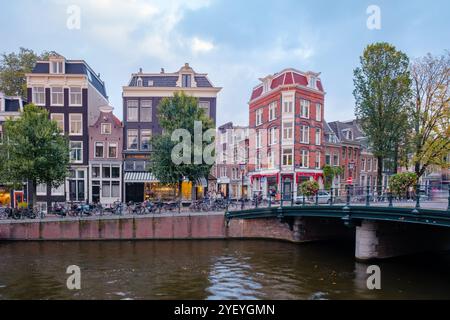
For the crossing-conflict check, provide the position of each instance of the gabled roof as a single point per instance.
(74, 67)
(339, 127)
(284, 78)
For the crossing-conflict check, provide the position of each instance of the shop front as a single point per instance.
(307, 176)
(5, 196)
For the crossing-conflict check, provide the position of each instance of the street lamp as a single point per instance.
(242, 169)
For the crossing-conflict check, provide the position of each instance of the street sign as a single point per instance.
(349, 180)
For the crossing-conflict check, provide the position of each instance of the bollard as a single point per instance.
(390, 199)
(331, 196)
(303, 200)
(417, 196)
(317, 198)
(347, 203)
(368, 196)
(292, 199)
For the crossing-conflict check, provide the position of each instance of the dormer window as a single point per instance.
(186, 80)
(139, 82)
(348, 134)
(313, 82)
(150, 83)
(57, 67)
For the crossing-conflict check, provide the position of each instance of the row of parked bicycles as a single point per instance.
(117, 208)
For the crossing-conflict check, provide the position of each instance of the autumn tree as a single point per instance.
(382, 92)
(431, 111)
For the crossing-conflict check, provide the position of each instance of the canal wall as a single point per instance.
(176, 226)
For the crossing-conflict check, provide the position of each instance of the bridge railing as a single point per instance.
(418, 196)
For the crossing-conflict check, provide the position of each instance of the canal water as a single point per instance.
(219, 269)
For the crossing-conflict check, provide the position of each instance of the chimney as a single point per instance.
(162, 70)
(186, 65)
(140, 70)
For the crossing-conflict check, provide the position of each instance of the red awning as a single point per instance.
(315, 175)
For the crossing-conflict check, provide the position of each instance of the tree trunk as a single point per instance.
(395, 164)
(379, 175)
(32, 194)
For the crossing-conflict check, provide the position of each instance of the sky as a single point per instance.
(236, 42)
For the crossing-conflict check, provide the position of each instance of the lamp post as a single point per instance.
(242, 169)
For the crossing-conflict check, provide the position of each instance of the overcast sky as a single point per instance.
(234, 41)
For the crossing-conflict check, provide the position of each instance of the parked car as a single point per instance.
(323, 198)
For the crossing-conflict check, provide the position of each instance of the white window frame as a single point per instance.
(273, 136)
(304, 158)
(287, 156)
(58, 191)
(79, 95)
(318, 111)
(149, 133)
(80, 121)
(148, 105)
(258, 139)
(288, 131)
(40, 189)
(135, 107)
(304, 108)
(60, 94)
(272, 111)
(304, 134)
(106, 125)
(259, 116)
(40, 95)
(110, 144)
(60, 67)
(137, 139)
(206, 106)
(318, 136)
(317, 163)
(288, 106)
(52, 117)
(95, 149)
(81, 152)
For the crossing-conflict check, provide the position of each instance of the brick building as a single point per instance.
(286, 131)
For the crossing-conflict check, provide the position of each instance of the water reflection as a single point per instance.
(212, 270)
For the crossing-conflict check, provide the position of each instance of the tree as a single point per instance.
(309, 188)
(399, 183)
(33, 150)
(13, 67)
(179, 112)
(329, 173)
(382, 92)
(431, 111)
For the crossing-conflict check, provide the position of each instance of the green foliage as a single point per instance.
(329, 173)
(309, 188)
(33, 149)
(382, 93)
(178, 112)
(13, 67)
(400, 182)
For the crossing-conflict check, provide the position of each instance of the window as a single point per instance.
(287, 131)
(146, 111)
(76, 151)
(115, 189)
(139, 165)
(112, 150)
(57, 67)
(273, 136)
(258, 139)
(99, 148)
(287, 107)
(304, 109)
(76, 124)
(106, 128)
(76, 185)
(39, 96)
(75, 96)
(304, 159)
(132, 110)
(59, 118)
(335, 159)
(258, 160)
(328, 159)
(318, 112)
(145, 139)
(139, 82)
(205, 106)
(313, 82)
(41, 189)
(115, 172)
(363, 164)
(318, 136)
(344, 152)
(58, 191)
(287, 157)
(369, 165)
(186, 80)
(271, 159)
(132, 140)
(272, 111)
(57, 95)
(96, 172)
(106, 172)
(317, 163)
(259, 114)
(304, 134)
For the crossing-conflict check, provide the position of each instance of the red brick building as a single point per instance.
(286, 113)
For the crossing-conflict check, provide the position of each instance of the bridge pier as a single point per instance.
(381, 239)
